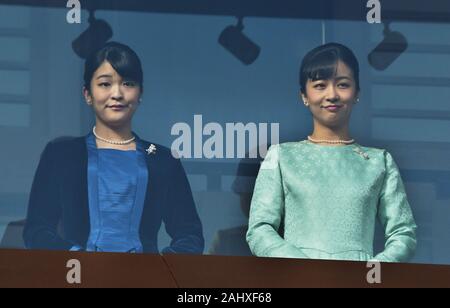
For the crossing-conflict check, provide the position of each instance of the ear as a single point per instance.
(304, 99)
(357, 97)
(87, 96)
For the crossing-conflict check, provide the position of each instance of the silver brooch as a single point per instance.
(361, 152)
(151, 149)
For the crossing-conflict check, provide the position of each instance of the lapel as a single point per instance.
(74, 186)
(155, 171)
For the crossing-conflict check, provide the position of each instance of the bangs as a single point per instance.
(125, 66)
(323, 66)
(321, 63)
(121, 57)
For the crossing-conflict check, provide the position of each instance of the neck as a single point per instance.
(330, 133)
(113, 133)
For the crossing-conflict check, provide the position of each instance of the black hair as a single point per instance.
(321, 63)
(121, 57)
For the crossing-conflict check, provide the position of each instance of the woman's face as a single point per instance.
(113, 98)
(331, 100)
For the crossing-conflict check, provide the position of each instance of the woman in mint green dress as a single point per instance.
(328, 191)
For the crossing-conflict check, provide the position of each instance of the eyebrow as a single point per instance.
(104, 76)
(337, 78)
(343, 77)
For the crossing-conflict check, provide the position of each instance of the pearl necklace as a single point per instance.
(112, 141)
(331, 141)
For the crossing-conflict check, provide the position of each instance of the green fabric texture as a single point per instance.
(329, 198)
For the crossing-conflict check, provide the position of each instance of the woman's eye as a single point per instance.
(130, 84)
(104, 84)
(319, 86)
(343, 85)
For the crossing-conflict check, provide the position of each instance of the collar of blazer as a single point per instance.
(145, 146)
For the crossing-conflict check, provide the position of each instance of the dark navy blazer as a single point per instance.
(58, 210)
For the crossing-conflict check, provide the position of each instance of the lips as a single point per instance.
(117, 107)
(332, 107)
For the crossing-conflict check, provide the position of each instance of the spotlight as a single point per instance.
(392, 46)
(233, 40)
(98, 33)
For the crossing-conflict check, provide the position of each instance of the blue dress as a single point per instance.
(117, 182)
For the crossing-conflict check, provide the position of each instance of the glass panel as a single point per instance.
(14, 17)
(15, 82)
(15, 115)
(418, 65)
(411, 98)
(415, 33)
(14, 49)
(411, 129)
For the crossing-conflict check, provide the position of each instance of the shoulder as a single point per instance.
(160, 151)
(300, 148)
(381, 157)
(289, 148)
(66, 141)
(164, 155)
(275, 153)
(377, 152)
(64, 145)
(285, 146)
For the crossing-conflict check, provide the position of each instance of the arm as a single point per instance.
(43, 208)
(267, 210)
(396, 217)
(180, 215)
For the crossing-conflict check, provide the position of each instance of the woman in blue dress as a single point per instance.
(327, 191)
(110, 190)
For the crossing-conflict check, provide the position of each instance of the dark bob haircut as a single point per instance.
(121, 57)
(321, 63)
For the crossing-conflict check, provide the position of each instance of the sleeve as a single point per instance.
(44, 210)
(180, 216)
(396, 217)
(267, 210)
(76, 248)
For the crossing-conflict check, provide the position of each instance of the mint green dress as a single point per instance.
(329, 198)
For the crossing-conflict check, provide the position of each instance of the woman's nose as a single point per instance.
(332, 94)
(117, 92)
